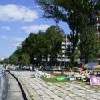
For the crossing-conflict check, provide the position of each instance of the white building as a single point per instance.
(65, 44)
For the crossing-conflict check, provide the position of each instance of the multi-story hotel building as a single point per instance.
(65, 44)
(62, 59)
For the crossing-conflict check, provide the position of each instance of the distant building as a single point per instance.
(62, 59)
(65, 44)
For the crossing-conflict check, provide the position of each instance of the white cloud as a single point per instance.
(6, 28)
(3, 37)
(35, 28)
(12, 12)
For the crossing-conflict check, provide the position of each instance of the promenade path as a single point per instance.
(14, 91)
(3, 87)
(40, 90)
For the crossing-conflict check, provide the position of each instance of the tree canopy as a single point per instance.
(78, 14)
(37, 47)
(89, 44)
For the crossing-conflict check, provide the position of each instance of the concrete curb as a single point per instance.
(25, 93)
(14, 91)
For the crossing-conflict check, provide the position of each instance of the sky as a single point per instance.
(17, 19)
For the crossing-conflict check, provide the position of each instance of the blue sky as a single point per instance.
(17, 19)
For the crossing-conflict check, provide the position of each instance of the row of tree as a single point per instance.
(79, 15)
(39, 46)
(48, 44)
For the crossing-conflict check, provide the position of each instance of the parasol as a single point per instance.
(89, 66)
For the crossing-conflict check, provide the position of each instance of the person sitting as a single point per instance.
(86, 76)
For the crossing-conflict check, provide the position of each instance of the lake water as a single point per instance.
(3, 85)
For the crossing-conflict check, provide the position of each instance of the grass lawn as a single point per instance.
(54, 80)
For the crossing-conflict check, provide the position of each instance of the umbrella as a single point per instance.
(90, 65)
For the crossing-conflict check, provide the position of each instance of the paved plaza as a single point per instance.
(40, 90)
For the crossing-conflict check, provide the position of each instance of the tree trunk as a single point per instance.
(74, 44)
(47, 60)
(86, 59)
(72, 62)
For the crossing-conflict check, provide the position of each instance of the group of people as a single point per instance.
(82, 74)
(86, 75)
(5, 67)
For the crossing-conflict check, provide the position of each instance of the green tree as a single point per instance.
(44, 44)
(55, 37)
(29, 46)
(19, 58)
(42, 47)
(89, 44)
(13, 59)
(71, 50)
(5, 61)
(78, 14)
(25, 59)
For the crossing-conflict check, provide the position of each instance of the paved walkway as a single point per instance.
(40, 90)
(3, 87)
(14, 92)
